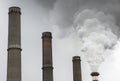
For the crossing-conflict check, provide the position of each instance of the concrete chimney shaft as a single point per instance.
(77, 75)
(14, 45)
(47, 56)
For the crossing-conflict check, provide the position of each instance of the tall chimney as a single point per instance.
(77, 75)
(14, 45)
(47, 56)
(95, 76)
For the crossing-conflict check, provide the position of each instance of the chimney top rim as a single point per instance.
(95, 74)
(46, 34)
(76, 58)
(14, 7)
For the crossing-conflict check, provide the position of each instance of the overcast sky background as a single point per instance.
(42, 15)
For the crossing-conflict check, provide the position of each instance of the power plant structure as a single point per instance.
(14, 45)
(95, 76)
(47, 56)
(14, 52)
(77, 75)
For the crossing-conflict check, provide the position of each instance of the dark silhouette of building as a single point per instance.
(47, 56)
(14, 45)
(77, 76)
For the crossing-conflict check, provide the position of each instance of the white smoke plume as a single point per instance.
(93, 26)
(97, 35)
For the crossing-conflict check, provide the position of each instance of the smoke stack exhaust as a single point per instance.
(14, 45)
(95, 76)
(47, 56)
(77, 75)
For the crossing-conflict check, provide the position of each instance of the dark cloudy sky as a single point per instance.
(58, 17)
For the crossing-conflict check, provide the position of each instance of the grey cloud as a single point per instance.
(100, 1)
(48, 4)
(64, 10)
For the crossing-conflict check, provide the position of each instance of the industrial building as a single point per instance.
(14, 52)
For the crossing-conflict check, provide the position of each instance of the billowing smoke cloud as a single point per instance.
(96, 35)
(64, 10)
(62, 15)
(93, 25)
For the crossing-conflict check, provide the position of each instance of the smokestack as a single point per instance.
(77, 75)
(47, 56)
(14, 45)
(95, 76)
